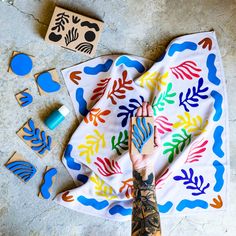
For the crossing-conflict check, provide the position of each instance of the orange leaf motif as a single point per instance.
(128, 184)
(95, 115)
(100, 90)
(218, 203)
(119, 88)
(206, 42)
(67, 198)
(74, 77)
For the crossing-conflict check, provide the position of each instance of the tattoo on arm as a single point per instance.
(145, 216)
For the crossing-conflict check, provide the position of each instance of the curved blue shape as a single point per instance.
(161, 57)
(47, 178)
(26, 99)
(180, 47)
(212, 69)
(217, 104)
(70, 160)
(21, 64)
(24, 170)
(82, 178)
(130, 63)
(92, 202)
(165, 207)
(98, 68)
(185, 203)
(46, 82)
(118, 209)
(220, 169)
(218, 141)
(82, 103)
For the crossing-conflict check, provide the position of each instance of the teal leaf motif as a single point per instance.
(121, 143)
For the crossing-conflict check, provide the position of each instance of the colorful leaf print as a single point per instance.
(100, 90)
(119, 88)
(66, 197)
(196, 150)
(128, 187)
(160, 181)
(206, 42)
(194, 183)
(92, 145)
(192, 100)
(102, 189)
(179, 142)
(186, 70)
(163, 125)
(95, 115)
(128, 111)
(121, 143)
(153, 80)
(164, 97)
(192, 125)
(218, 203)
(107, 167)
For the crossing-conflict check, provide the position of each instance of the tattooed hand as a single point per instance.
(145, 215)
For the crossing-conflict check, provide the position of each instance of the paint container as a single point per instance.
(56, 117)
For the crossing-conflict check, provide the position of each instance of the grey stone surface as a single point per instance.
(140, 27)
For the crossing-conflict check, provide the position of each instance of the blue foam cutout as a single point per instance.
(118, 209)
(93, 202)
(180, 47)
(98, 68)
(185, 203)
(26, 99)
(130, 63)
(217, 104)
(218, 176)
(212, 69)
(218, 141)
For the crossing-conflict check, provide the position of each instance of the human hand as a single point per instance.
(141, 161)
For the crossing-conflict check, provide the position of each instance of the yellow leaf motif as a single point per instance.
(102, 189)
(192, 125)
(153, 80)
(92, 145)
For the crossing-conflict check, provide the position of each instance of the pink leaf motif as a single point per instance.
(163, 124)
(186, 70)
(196, 151)
(160, 182)
(107, 167)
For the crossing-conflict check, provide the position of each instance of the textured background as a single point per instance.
(137, 27)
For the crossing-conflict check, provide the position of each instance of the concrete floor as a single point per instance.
(138, 27)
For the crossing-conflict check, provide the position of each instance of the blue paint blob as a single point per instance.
(81, 101)
(130, 63)
(21, 64)
(93, 202)
(98, 68)
(118, 209)
(217, 104)
(46, 83)
(26, 99)
(185, 203)
(82, 178)
(212, 69)
(165, 207)
(218, 141)
(180, 47)
(70, 160)
(24, 170)
(47, 178)
(218, 176)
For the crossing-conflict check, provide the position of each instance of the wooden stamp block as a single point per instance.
(20, 167)
(36, 139)
(24, 98)
(47, 82)
(47, 182)
(74, 31)
(142, 140)
(20, 64)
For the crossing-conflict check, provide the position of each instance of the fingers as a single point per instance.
(149, 110)
(144, 105)
(139, 111)
(156, 137)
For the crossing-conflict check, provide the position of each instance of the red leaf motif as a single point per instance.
(163, 125)
(95, 115)
(160, 182)
(100, 90)
(206, 42)
(107, 167)
(196, 151)
(74, 77)
(128, 187)
(119, 88)
(186, 70)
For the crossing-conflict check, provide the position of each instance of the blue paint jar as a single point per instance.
(56, 117)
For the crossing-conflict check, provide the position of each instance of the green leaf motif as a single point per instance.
(164, 97)
(179, 142)
(122, 142)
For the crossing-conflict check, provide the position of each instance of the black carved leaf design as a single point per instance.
(75, 19)
(85, 47)
(71, 36)
(60, 21)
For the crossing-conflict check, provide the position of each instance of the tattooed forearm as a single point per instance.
(145, 217)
